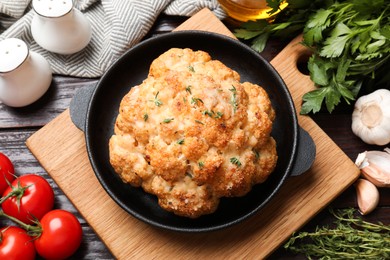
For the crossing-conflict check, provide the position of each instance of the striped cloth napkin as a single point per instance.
(117, 25)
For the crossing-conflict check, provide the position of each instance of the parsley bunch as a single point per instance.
(350, 41)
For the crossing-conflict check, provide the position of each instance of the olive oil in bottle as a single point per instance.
(244, 10)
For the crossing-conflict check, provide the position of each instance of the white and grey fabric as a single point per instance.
(117, 25)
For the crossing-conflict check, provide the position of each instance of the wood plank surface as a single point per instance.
(60, 148)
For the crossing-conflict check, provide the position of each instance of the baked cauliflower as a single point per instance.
(191, 133)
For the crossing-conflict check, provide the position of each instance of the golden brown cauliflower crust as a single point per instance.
(191, 133)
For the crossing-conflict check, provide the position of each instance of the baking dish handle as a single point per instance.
(306, 153)
(79, 106)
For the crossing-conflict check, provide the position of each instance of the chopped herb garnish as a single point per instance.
(201, 164)
(219, 115)
(180, 141)
(146, 116)
(167, 120)
(212, 114)
(195, 100)
(209, 113)
(235, 161)
(199, 122)
(256, 154)
(233, 89)
(190, 68)
(157, 101)
(188, 89)
(233, 100)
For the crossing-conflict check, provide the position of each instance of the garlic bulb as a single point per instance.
(367, 196)
(371, 117)
(375, 166)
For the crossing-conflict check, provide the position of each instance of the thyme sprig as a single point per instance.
(351, 238)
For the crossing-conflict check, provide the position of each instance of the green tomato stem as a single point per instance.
(6, 197)
(17, 192)
(32, 230)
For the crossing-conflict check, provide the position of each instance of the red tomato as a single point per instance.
(15, 244)
(36, 201)
(6, 172)
(61, 235)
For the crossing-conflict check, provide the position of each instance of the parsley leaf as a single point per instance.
(319, 70)
(314, 27)
(260, 42)
(313, 100)
(334, 45)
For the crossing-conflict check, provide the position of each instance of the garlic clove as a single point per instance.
(361, 160)
(375, 167)
(367, 196)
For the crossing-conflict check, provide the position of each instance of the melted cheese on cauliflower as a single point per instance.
(191, 133)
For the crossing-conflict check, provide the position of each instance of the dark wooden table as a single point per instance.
(17, 124)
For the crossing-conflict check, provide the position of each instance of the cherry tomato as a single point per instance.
(61, 235)
(15, 244)
(6, 172)
(36, 200)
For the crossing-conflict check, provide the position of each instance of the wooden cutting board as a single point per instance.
(60, 142)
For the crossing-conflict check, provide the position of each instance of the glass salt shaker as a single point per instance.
(24, 75)
(59, 27)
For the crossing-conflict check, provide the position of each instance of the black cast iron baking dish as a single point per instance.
(94, 110)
